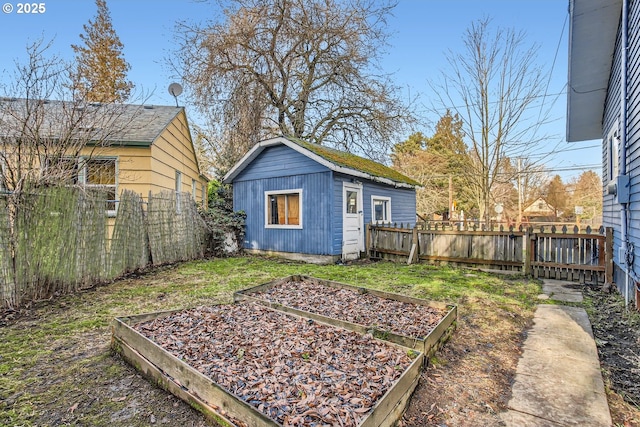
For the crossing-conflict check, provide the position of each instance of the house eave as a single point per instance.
(593, 28)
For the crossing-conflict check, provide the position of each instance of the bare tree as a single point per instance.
(304, 68)
(492, 85)
(44, 141)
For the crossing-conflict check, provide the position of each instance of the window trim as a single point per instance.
(387, 212)
(83, 162)
(267, 194)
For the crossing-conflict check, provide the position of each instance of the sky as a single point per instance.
(422, 32)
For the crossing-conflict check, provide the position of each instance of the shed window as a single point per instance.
(283, 209)
(381, 209)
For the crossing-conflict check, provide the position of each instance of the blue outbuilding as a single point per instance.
(307, 201)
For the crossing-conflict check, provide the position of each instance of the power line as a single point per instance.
(553, 64)
(546, 95)
(565, 150)
(525, 172)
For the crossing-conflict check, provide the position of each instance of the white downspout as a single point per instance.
(623, 140)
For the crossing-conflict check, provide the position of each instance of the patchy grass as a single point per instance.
(56, 367)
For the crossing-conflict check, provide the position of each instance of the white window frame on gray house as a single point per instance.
(385, 203)
(268, 203)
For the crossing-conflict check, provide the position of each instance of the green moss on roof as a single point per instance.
(352, 161)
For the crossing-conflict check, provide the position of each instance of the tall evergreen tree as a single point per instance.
(101, 74)
(557, 196)
(433, 161)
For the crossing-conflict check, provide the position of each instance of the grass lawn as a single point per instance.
(56, 367)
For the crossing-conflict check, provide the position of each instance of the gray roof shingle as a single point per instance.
(124, 124)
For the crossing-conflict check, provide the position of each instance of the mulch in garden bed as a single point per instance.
(295, 370)
(354, 306)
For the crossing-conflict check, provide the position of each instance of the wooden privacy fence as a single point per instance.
(556, 253)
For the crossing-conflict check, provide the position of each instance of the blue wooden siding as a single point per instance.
(611, 209)
(403, 202)
(315, 235)
(279, 161)
(633, 137)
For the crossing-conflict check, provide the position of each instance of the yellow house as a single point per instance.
(143, 148)
(154, 152)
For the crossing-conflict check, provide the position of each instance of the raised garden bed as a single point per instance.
(410, 322)
(249, 365)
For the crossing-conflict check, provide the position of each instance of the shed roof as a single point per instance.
(593, 28)
(335, 160)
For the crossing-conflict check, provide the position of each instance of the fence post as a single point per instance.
(608, 255)
(413, 253)
(368, 240)
(527, 252)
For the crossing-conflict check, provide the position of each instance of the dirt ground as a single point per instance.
(470, 383)
(466, 384)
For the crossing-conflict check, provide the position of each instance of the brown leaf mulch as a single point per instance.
(296, 371)
(362, 308)
(616, 330)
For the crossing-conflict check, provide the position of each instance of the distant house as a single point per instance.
(603, 103)
(144, 148)
(539, 210)
(310, 202)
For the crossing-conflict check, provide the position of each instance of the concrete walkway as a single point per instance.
(558, 381)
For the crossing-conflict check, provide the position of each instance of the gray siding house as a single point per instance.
(604, 103)
(306, 201)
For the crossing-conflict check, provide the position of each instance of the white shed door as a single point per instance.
(352, 221)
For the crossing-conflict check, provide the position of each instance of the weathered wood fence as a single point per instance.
(59, 240)
(557, 253)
